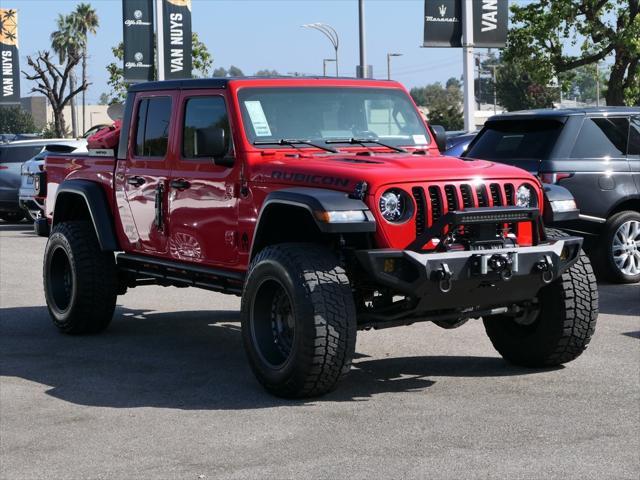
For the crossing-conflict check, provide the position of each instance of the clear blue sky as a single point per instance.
(258, 34)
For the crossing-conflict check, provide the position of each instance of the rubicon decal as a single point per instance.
(312, 179)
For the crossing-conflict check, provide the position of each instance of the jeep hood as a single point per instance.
(344, 171)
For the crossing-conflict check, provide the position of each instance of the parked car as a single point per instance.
(12, 156)
(28, 200)
(325, 204)
(458, 144)
(595, 153)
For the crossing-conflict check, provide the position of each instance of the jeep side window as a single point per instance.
(201, 113)
(602, 137)
(634, 136)
(152, 131)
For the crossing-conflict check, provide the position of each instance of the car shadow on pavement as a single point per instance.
(188, 360)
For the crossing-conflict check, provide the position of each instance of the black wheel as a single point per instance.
(12, 217)
(618, 257)
(79, 279)
(557, 327)
(298, 320)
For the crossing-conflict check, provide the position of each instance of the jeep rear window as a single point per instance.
(516, 140)
(331, 113)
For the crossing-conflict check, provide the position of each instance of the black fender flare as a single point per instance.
(316, 201)
(553, 193)
(97, 205)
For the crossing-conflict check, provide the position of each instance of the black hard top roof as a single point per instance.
(565, 112)
(221, 82)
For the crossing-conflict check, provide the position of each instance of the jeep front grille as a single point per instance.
(438, 199)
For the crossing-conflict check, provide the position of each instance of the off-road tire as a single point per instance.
(80, 280)
(323, 312)
(12, 217)
(568, 310)
(604, 262)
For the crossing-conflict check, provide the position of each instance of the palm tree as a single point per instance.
(65, 42)
(85, 21)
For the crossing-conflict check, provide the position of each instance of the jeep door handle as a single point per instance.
(179, 184)
(136, 181)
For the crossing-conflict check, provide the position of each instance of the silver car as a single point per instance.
(27, 199)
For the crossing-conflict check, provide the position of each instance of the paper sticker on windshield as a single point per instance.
(258, 118)
(420, 139)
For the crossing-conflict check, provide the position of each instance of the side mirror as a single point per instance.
(212, 142)
(441, 137)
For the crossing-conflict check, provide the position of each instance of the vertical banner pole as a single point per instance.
(468, 66)
(160, 39)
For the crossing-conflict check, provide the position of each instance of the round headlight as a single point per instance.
(395, 205)
(526, 196)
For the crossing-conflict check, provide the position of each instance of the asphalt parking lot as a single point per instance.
(166, 393)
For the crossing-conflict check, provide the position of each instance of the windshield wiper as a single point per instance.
(292, 142)
(364, 141)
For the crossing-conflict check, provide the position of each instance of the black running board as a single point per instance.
(142, 270)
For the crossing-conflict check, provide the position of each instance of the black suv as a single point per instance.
(593, 152)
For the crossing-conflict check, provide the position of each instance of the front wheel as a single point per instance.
(298, 320)
(557, 327)
(80, 281)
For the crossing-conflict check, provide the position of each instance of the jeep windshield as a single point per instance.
(332, 115)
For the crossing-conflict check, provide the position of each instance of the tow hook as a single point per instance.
(501, 264)
(545, 266)
(443, 274)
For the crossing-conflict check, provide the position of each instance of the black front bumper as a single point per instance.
(469, 279)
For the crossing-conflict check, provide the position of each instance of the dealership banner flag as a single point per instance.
(177, 39)
(490, 21)
(138, 40)
(442, 23)
(10, 67)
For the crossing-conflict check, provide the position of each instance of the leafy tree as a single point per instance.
(582, 83)
(51, 81)
(267, 73)
(104, 99)
(517, 89)
(16, 120)
(600, 28)
(444, 103)
(201, 58)
(85, 21)
(66, 43)
(232, 72)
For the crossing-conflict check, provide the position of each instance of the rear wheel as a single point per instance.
(34, 214)
(557, 328)
(79, 279)
(298, 320)
(619, 254)
(12, 217)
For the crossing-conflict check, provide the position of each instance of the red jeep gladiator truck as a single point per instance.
(325, 204)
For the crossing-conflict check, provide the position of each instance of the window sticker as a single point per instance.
(258, 118)
(419, 139)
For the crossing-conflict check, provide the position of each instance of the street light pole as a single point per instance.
(597, 85)
(467, 65)
(363, 48)
(389, 55)
(330, 33)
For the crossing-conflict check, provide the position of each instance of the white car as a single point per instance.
(33, 205)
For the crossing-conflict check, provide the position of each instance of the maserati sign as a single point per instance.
(443, 23)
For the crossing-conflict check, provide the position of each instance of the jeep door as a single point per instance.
(141, 178)
(203, 191)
